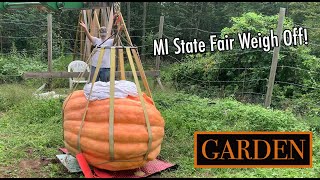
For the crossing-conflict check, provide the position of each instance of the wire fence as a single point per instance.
(219, 86)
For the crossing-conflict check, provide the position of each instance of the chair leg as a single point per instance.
(70, 84)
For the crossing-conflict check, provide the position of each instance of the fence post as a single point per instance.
(158, 57)
(144, 17)
(49, 19)
(275, 57)
(1, 51)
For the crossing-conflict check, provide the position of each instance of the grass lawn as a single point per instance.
(31, 133)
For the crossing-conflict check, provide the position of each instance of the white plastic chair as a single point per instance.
(78, 66)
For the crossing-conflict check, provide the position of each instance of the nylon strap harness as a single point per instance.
(111, 101)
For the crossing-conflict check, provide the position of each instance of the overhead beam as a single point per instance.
(55, 6)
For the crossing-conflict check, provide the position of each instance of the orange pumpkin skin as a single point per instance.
(130, 131)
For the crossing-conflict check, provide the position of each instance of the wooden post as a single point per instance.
(110, 22)
(1, 51)
(125, 30)
(49, 49)
(81, 39)
(87, 21)
(104, 17)
(143, 49)
(275, 59)
(158, 57)
(75, 48)
(128, 19)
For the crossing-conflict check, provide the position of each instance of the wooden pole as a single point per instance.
(1, 42)
(104, 17)
(110, 22)
(158, 57)
(87, 21)
(128, 12)
(143, 49)
(275, 59)
(75, 49)
(160, 36)
(49, 18)
(81, 39)
(125, 30)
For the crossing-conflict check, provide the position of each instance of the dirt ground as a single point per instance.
(26, 168)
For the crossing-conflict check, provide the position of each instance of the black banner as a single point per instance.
(253, 149)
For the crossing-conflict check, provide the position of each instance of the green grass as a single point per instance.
(33, 124)
(185, 114)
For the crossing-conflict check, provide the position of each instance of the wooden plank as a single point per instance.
(98, 13)
(94, 28)
(110, 23)
(159, 82)
(125, 30)
(104, 17)
(108, 12)
(89, 17)
(65, 74)
(275, 59)
(96, 19)
(40, 88)
(50, 49)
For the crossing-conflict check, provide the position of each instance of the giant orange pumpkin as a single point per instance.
(130, 131)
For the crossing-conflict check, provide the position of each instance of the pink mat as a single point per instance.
(152, 167)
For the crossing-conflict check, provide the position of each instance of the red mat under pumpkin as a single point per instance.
(149, 169)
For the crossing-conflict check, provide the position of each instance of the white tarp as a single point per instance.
(101, 90)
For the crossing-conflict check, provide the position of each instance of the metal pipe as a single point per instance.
(8, 4)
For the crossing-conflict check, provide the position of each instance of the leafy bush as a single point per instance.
(236, 72)
(16, 63)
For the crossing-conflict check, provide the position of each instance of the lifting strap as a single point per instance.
(142, 102)
(92, 83)
(141, 71)
(111, 106)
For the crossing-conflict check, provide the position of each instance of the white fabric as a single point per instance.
(106, 57)
(101, 90)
